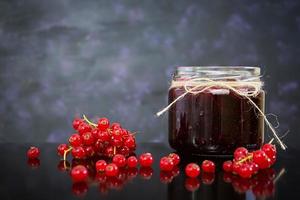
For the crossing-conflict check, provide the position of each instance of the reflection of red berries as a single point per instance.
(119, 160)
(165, 177)
(192, 170)
(192, 184)
(111, 169)
(166, 164)
(208, 178)
(80, 189)
(146, 173)
(33, 152)
(79, 173)
(208, 166)
(103, 124)
(34, 163)
(101, 165)
(227, 166)
(175, 158)
(146, 159)
(132, 161)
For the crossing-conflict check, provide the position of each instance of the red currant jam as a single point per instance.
(214, 124)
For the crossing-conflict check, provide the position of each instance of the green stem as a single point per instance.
(67, 151)
(89, 122)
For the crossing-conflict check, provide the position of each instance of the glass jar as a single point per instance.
(214, 114)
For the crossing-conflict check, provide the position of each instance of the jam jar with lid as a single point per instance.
(213, 112)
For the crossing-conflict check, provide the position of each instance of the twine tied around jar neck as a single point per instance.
(199, 85)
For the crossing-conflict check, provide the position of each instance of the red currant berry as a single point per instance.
(116, 141)
(101, 165)
(270, 150)
(76, 123)
(87, 138)
(124, 151)
(75, 140)
(89, 151)
(132, 161)
(33, 152)
(78, 152)
(254, 167)
(103, 136)
(260, 158)
(175, 158)
(109, 151)
(119, 160)
(245, 171)
(130, 142)
(240, 153)
(115, 126)
(61, 149)
(111, 170)
(95, 132)
(227, 166)
(192, 170)
(79, 173)
(166, 164)
(146, 159)
(34, 163)
(235, 167)
(208, 166)
(103, 124)
(192, 184)
(84, 127)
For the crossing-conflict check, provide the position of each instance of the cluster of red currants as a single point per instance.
(246, 164)
(100, 139)
(119, 162)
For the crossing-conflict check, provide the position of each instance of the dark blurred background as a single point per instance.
(63, 58)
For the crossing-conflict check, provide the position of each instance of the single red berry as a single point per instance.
(116, 141)
(111, 170)
(132, 161)
(146, 159)
(208, 166)
(115, 126)
(103, 136)
(84, 127)
(101, 165)
(78, 152)
(261, 158)
(79, 173)
(124, 133)
(124, 151)
(254, 167)
(227, 166)
(33, 152)
(235, 167)
(87, 138)
(109, 151)
(175, 158)
(76, 123)
(61, 149)
(119, 160)
(103, 124)
(270, 150)
(245, 171)
(192, 170)
(166, 164)
(130, 142)
(75, 140)
(192, 184)
(89, 151)
(95, 132)
(240, 153)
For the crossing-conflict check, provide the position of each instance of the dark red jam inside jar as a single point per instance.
(217, 120)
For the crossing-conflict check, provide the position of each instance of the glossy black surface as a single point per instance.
(18, 180)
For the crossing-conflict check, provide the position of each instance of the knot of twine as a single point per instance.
(192, 86)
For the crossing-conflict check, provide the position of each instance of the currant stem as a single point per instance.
(271, 141)
(89, 122)
(115, 150)
(66, 152)
(249, 157)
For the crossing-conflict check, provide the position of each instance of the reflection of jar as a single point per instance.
(212, 118)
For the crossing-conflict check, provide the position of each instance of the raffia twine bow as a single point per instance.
(199, 85)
